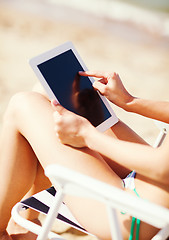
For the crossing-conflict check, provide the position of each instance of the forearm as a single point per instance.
(158, 110)
(144, 159)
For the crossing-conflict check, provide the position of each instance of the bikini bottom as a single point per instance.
(130, 184)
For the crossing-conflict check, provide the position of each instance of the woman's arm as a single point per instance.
(146, 160)
(158, 110)
(76, 131)
(111, 86)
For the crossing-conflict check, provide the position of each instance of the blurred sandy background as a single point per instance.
(138, 53)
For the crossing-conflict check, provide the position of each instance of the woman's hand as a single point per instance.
(111, 86)
(71, 129)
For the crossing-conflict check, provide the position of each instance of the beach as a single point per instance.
(140, 55)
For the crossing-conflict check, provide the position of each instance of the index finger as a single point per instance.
(96, 74)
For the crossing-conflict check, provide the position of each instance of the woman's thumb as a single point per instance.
(56, 106)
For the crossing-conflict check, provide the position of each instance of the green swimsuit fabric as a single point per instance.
(137, 221)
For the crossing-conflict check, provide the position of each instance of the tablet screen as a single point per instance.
(74, 92)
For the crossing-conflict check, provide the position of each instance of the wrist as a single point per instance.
(89, 133)
(130, 103)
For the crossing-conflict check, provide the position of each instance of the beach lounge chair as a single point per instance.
(68, 181)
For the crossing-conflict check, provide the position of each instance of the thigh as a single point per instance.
(121, 131)
(32, 114)
(150, 191)
(124, 132)
(33, 117)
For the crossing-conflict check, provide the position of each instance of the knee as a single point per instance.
(14, 104)
(17, 105)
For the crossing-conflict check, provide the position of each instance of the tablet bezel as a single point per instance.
(34, 62)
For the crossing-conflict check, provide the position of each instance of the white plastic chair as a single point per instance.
(71, 182)
(164, 127)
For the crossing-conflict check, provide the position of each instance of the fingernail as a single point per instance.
(54, 102)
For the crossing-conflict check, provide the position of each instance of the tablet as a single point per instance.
(57, 70)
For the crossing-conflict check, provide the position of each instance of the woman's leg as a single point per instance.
(16, 231)
(29, 119)
(31, 116)
(121, 131)
(19, 169)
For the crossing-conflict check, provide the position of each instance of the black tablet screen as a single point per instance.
(74, 92)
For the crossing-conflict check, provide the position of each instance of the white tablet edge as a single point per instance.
(34, 62)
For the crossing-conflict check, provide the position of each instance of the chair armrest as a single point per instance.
(79, 184)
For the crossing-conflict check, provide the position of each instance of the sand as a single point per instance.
(141, 57)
